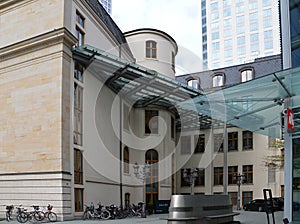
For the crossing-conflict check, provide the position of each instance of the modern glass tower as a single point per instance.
(238, 31)
(106, 4)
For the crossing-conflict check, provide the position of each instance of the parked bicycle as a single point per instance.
(99, 213)
(22, 217)
(135, 210)
(8, 213)
(49, 214)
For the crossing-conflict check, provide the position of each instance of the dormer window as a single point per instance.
(247, 75)
(151, 49)
(218, 80)
(194, 83)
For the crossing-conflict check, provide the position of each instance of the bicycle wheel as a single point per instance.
(22, 217)
(39, 215)
(105, 214)
(52, 217)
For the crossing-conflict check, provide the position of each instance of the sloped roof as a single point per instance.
(109, 23)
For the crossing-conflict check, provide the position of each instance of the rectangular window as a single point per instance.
(218, 176)
(216, 46)
(199, 143)
(215, 35)
(233, 197)
(78, 193)
(126, 117)
(268, 44)
(151, 122)
(246, 75)
(247, 196)
(78, 96)
(253, 26)
(232, 173)
(78, 71)
(228, 43)
(200, 180)
(79, 29)
(248, 172)
(218, 142)
(240, 9)
(254, 37)
(267, 23)
(240, 20)
(247, 140)
(241, 40)
(151, 49)
(185, 145)
(233, 141)
(268, 34)
(78, 170)
(227, 22)
(227, 12)
(241, 50)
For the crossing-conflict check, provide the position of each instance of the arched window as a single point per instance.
(194, 83)
(151, 49)
(218, 80)
(126, 160)
(247, 74)
(151, 157)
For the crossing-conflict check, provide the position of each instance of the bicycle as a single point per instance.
(21, 214)
(49, 214)
(8, 213)
(36, 214)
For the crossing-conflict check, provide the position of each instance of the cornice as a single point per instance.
(57, 36)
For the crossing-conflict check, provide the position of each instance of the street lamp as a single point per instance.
(191, 177)
(142, 172)
(239, 180)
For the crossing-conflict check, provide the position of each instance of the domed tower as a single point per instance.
(153, 49)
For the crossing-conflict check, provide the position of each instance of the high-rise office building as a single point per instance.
(238, 31)
(106, 4)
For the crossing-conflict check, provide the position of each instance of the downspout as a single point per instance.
(121, 144)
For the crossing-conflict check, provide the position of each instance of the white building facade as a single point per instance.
(238, 31)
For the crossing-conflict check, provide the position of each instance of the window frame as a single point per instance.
(78, 114)
(151, 49)
(248, 172)
(232, 173)
(78, 199)
(247, 137)
(218, 176)
(232, 138)
(78, 167)
(247, 78)
(79, 28)
(195, 83)
(216, 82)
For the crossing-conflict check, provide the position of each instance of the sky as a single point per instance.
(181, 19)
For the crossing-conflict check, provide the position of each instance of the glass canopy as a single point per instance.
(256, 105)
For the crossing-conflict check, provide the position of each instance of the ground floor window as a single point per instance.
(78, 199)
(233, 198)
(247, 197)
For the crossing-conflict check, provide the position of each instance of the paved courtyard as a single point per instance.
(244, 218)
